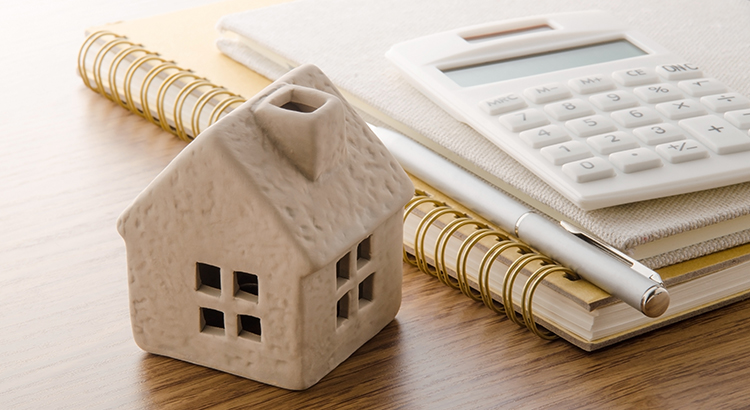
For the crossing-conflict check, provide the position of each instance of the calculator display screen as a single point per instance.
(525, 66)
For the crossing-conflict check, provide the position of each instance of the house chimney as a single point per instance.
(307, 125)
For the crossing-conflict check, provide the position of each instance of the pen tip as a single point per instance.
(655, 302)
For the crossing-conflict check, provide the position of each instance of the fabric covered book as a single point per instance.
(658, 232)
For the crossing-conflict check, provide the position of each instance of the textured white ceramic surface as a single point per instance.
(270, 247)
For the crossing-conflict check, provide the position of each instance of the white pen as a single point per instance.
(598, 263)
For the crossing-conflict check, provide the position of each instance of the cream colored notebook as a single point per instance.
(203, 77)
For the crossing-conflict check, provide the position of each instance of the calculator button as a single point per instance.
(681, 109)
(717, 134)
(547, 93)
(586, 127)
(634, 160)
(702, 86)
(681, 71)
(591, 84)
(502, 104)
(740, 119)
(524, 120)
(657, 93)
(567, 110)
(613, 142)
(566, 152)
(682, 151)
(659, 134)
(587, 170)
(636, 117)
(726, 102)
(613, 100)
(635, 76)
(548, 135)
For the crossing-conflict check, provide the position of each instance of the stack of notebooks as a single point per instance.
(697, 242)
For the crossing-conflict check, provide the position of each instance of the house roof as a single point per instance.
(328, 191)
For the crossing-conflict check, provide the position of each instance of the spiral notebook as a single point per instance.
(190, 84)
(464, 251)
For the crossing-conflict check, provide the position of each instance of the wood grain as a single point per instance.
(70, 161)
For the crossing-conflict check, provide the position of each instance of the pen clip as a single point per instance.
(615, 253)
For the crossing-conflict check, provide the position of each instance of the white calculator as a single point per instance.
(598, 111)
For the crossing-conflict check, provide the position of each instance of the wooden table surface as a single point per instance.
(70, 161)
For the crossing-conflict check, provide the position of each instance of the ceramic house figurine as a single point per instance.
(270, 247)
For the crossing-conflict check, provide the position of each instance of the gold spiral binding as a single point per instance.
(421, 234)
(509, 280)
(222, 106)
(180, 101)
(153, 73)
(132, 69)
(417, 200)
(120, 49)
(161, 94)
(115, 66)
(485, 267)
(463, 256)
(195, 113)
(442, 242)
(83, 52)
(528, 293)
(99, 59)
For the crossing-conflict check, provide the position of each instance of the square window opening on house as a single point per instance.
(246, 284)
(343, 271)
(364, 252)
(342, 309)
(249, 327)
(212, 321)
(207, 276)
(366, 290)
